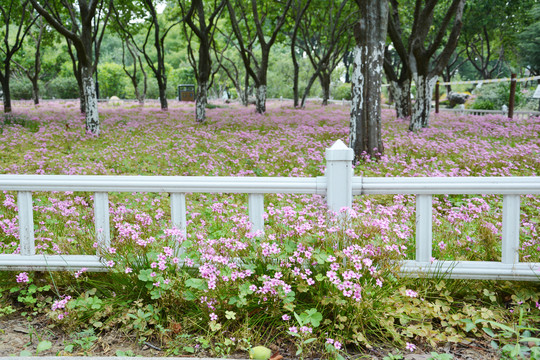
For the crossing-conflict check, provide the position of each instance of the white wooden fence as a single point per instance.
(520, 114)
(339, 186)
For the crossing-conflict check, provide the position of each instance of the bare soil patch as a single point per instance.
(17, 333)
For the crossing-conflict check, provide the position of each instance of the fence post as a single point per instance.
(510, 229)
(513, 83)
(437, 97)
(26, 223)
(101, 220)
(424, 227)
(339, 174)
(256, 211)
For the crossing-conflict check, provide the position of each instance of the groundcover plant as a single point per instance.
(313, 281)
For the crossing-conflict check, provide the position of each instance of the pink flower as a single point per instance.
(411, 293)
(411, 347)
(213, 317)
(23, 278)
(337, 345)
(293, 329)
(128, 270)
(79, 273)
(286, 317)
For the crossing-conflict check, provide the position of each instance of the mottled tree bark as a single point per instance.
(83, 40)
(264, 35)
(324, 78)
(298, 11)
(370, 36)
(4, 80)
(260, 99)
(401, 93)
(90, 100)
(201, 101)
(422, 106)
(424, 69)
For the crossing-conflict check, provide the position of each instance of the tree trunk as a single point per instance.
(422, 105)
(7, 94)
(325, 85)
(163, 95)
(90, 100)
(307, 89)
(370, 36)
(401, 93)
(205, 68)
(82, 102)
(296, 71)
(260, 99)
(200, 102)
(35, 90)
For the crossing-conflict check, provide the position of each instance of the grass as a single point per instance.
(310, 276)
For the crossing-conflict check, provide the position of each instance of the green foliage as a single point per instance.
(514, 341)
(63, 88)
(482, 104)
(112, 80)
(529, 42)
(495, 95)
(82, 341)
(342, 91)
(21, 88)
(21, 120)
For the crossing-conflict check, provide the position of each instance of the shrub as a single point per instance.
(483, 105)
(343, 91)
(21, 89)
(497, 95)
(63, 88)
(112, 81)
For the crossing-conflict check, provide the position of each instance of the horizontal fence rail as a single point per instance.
(521, 114)
(338, 186)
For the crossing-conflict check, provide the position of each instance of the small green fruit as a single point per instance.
(260, 353)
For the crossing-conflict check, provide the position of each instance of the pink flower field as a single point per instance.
(311, 272)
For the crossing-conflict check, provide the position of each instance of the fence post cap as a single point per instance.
(339, 151)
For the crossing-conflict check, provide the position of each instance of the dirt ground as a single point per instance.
(19, 334)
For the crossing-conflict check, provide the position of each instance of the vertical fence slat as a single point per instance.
(339, 174)
(424, 233)
(256, 210)
(510, 229)
(101, 218)
(178, 211)
(26, 223)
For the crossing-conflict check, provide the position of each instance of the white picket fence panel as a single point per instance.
(520, 114)
(338, 185)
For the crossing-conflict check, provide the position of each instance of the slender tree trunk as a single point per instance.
(90, 100)
(325, 85)
(370, 36)
(163, 94)
(401, 93)
(205, 68)
(35, 90)
(200, 101)
(422, 106)
(5, 88)
(296, 75)
(82, 102)
(260, 99)
(142, 96)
